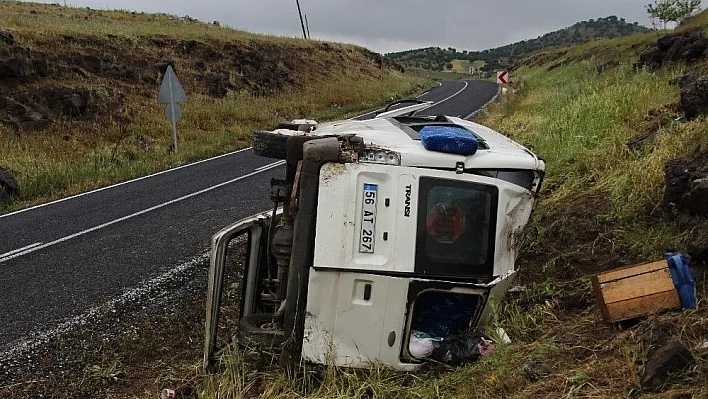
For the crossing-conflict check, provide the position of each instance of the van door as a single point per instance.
(240, 243)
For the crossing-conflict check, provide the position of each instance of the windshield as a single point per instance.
(456, 225)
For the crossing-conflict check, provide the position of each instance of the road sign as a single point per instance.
(503, 77)
(171, 92)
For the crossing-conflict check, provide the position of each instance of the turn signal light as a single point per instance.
(380, 157)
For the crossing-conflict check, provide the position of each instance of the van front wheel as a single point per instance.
(258, 330)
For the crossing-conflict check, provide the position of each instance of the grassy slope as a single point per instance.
(272, 79)
(600, 209)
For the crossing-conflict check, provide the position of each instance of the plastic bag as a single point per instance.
(464, 348)
(422, 345)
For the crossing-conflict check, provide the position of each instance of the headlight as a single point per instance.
(381, 157)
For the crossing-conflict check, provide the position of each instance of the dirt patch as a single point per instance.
(38, 107)
(581, 236)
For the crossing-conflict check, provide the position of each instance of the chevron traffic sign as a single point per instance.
(503, 77)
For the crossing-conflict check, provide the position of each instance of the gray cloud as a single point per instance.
(386, 26)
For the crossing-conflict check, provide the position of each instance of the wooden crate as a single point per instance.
(635, 291)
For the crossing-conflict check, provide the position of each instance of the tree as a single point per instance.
(665, 11)
(660, 12)
(686, 8)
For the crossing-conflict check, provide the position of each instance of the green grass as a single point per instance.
(580, 121)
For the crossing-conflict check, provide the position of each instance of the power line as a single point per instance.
(307, 26)
(301, 22)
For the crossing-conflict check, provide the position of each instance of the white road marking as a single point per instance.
(132, 215)
(418, 96)
(452, 96)
(122, 183)
(270, 165)
(6, 254)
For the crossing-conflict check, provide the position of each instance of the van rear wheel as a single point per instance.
(258, 330)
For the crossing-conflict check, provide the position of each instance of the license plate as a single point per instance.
(367, 234)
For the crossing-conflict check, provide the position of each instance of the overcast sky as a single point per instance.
(393, 25)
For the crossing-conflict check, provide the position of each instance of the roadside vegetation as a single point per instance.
(606, 130)
(78, 91)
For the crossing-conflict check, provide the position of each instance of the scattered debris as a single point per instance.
(167, 394)
(422, 345)
(670, 358)
(683, 279)
(639, 290)
(461, 349)
(517, 289)
(503, 336)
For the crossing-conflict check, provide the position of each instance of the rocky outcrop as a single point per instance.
(671, 358)
(8, 185)
(689, 46)
(694, 96)
(686, 187)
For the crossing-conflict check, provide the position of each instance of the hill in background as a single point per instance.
(436, 58)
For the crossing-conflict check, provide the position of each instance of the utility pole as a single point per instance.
(301, 22)
(307, 26)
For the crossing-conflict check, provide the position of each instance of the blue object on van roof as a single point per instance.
(450, 139)
(683, 279)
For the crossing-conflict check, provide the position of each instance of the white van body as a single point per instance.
(400, 229)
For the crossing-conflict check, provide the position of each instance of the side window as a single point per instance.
(523, 178)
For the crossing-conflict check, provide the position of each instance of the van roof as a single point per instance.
(399, 134)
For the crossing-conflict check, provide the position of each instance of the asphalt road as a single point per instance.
(60, 259)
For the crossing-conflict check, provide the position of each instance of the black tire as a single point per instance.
(269, 144)
(254, 331)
